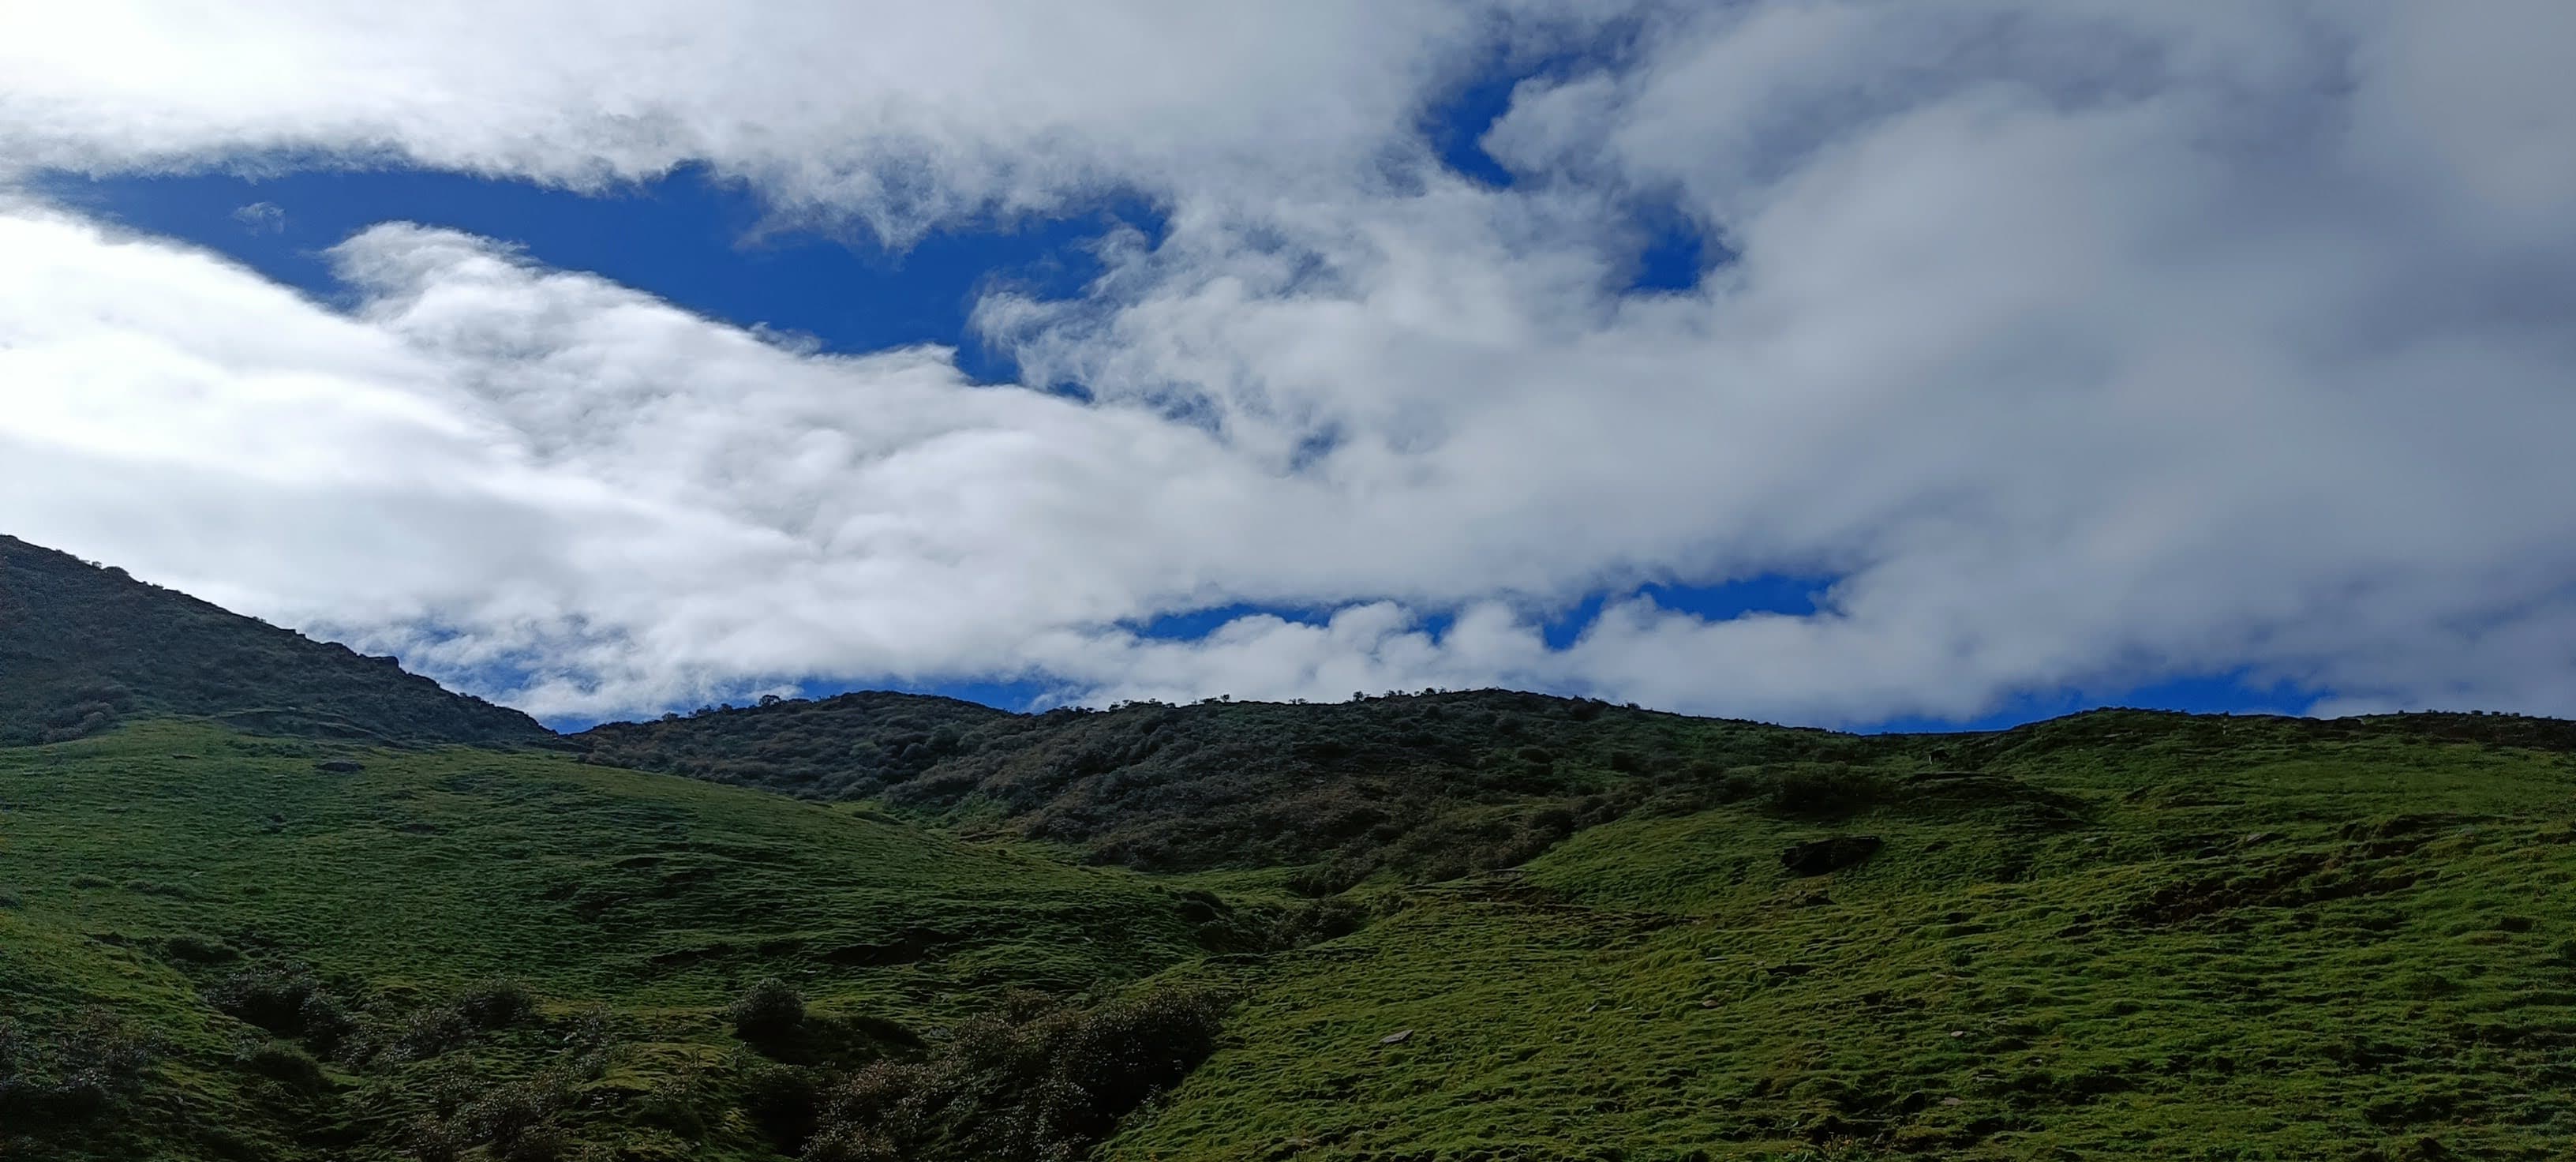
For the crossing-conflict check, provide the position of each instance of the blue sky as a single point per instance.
(1697, 358)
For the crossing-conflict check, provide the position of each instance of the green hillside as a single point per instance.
(147, 871)
(2128, 935)
(82, 646)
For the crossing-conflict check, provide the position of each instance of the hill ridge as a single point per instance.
(83, 645)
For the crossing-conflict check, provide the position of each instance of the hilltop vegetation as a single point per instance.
(1428, 786)
(84, 646)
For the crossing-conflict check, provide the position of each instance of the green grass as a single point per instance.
(2116, 935)
(147, 863)
(2329, 950)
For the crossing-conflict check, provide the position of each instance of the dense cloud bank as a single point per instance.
(2085, 345)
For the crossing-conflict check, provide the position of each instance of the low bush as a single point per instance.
(1032, 1081)
(284, 998)
(771, 1008)
(68, 1070)
(497, 1004)
(282, 1063)
(428, 1033)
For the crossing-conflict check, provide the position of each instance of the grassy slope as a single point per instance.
(82, 646)
(429, 869)
(2153, 936)
(2252, 943)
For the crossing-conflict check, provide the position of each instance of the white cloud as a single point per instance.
(261, 217)
(2089, 344)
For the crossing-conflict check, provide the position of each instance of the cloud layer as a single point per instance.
(2085, 344)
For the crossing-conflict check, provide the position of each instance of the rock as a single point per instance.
(1952, 1101)
(1818, 856)
(1398, 1038)
(339, 767)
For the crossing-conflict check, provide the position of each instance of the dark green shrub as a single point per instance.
(1317, 921)
(198, 950)
(271, 996)
(282, 1063)
(1820, 791)
(770, 1008)
(783, 1101)
(1031, 1081)
(68, 1070)
(516, 1122)
(431, 1033)
(497, 1004)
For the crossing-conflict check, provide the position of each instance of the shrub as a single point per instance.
(497, 1004)
(271, 996)
(783, 1101)
(516, 1122)
(1317, 921)
(1032, 1080)
(430, 1033)
(769, 1009)
(1819, 791)
(198, 950)
(280, 1062)
(69, 1072)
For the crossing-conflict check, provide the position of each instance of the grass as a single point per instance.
(2322, 951)
(146, 864)
(2115, 935)
(83, 646)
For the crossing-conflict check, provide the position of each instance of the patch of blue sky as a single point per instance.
(691, 238)
(1783, 593)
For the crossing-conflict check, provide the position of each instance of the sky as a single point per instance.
(1946, 364)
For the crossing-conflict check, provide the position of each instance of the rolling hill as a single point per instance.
(278, 901)
(83, 645)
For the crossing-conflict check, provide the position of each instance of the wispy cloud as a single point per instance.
(261, 218)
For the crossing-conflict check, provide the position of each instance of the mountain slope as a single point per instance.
(82, 646)
(2128, 935)
(174, 874)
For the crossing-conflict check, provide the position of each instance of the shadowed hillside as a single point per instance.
(82, 646)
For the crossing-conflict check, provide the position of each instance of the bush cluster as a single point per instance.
(62, 1070)
(1033, 1081)
(771, 1008)
(284, 998)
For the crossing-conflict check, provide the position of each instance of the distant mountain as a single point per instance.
(83, 646)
